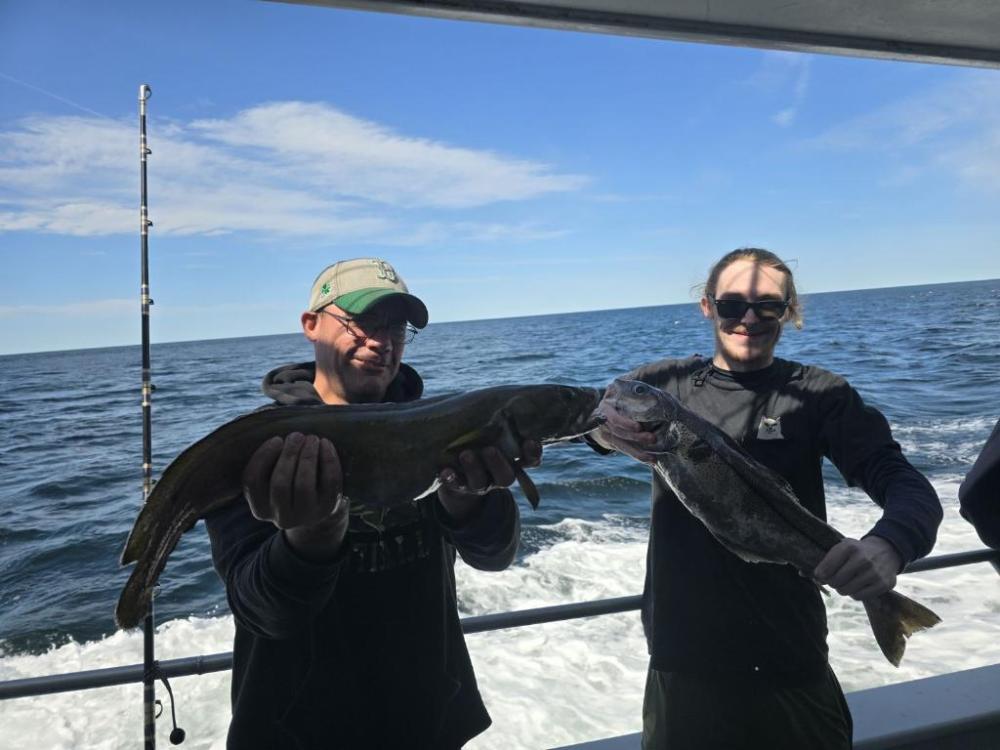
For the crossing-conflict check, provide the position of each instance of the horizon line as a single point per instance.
(477, 320)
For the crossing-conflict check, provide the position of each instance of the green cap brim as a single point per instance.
(359, 300)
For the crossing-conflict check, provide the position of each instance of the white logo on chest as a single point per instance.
(769, 429)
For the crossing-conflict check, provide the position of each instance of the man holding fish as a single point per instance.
(738, 654)
(979, 495)
(347, 630)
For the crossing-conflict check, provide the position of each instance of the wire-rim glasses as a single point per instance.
(368, 328)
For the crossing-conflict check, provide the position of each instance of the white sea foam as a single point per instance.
(956, 439)
(547, 685)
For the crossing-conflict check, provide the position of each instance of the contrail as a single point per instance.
(54, 96)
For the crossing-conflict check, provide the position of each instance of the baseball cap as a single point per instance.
(355, 285)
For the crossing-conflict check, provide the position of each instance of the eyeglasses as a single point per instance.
(735, 309)
(369, 328)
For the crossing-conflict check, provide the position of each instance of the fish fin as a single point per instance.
(894, 618)
(745, 554)
(145, 529)
(138, 535)
(699, 450)
(527, 486)
(478, 437)
(462, 441)
(433, 488)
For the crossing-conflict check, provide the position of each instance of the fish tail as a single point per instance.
(527, 486)
(152, 548)
(894, 618)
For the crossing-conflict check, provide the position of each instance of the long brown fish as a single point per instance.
(389, 454)
(750, 509)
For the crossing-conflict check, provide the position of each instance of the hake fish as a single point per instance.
(389, 454)
(750, 509)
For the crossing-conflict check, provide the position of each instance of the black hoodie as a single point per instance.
(366, 651)
(979, 495)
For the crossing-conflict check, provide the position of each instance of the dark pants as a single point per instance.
(688, 712)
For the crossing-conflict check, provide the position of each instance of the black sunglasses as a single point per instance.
(735, 309)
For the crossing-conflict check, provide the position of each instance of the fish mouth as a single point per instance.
(589, 422)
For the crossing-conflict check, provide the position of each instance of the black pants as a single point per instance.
(688, 712)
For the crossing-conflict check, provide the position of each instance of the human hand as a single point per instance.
(860, 569)
(625, 435)
(295, 483)
(482, 470)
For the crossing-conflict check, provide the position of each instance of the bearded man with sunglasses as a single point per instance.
(738, 653)
(347, 628)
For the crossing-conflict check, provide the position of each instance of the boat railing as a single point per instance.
(204, 664)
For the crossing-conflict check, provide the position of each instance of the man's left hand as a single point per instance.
(860, 569)
(483, 469)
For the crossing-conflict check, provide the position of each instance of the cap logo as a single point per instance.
(385, 272)
(325, 289)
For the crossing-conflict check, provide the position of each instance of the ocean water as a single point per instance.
(70, 487)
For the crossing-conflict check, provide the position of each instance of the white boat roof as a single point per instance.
(957, 32)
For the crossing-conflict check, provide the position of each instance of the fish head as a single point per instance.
(640, 402)
(549, 413)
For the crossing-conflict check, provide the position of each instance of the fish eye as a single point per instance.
(640, 389)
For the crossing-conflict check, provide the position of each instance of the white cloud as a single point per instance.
(92, 308)
(779, 73)
(954, 128)
(475, 232)
(332, 150)
(785, 117)
(286, 168)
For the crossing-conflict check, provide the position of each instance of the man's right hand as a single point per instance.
(624, 435)
(295, 483)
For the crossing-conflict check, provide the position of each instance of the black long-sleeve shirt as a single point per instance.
(365, 651)
(979, 495)
(707, 611)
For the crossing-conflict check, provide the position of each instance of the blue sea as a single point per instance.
(70, 487)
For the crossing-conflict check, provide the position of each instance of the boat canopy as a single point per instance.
(956, 32)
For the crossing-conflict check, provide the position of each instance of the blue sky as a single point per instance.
(503, 170)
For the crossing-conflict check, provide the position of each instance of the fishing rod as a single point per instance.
(148, 656)
(151, 668)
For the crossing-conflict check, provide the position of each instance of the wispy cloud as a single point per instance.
(284, 168)
(954, 128)
(92, 308)
(475, 232)
(781, 74)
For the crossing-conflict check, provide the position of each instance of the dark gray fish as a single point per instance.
(750, 509)
(390, 454)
